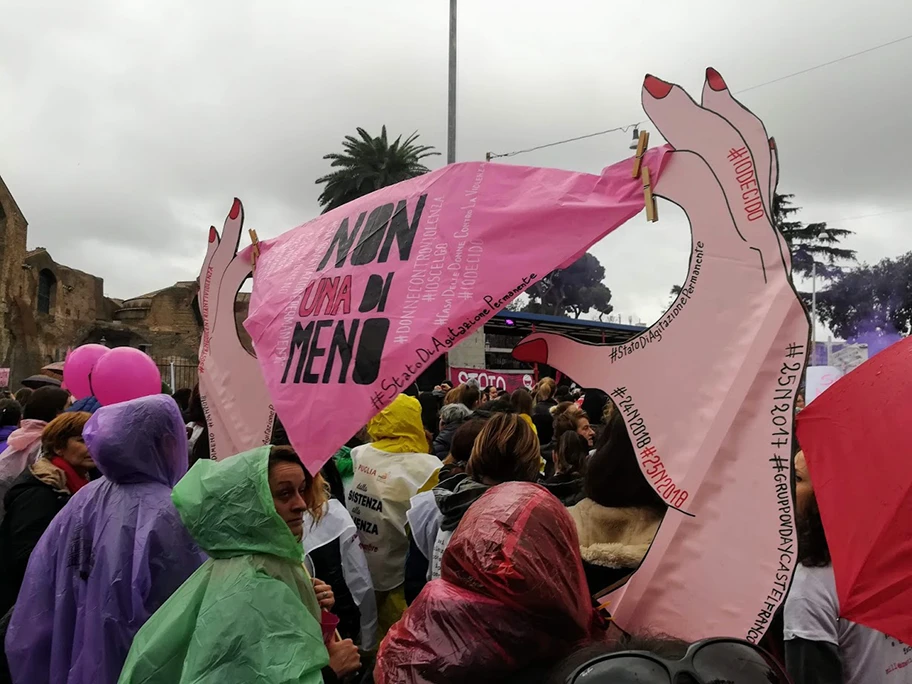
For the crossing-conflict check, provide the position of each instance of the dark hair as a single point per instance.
(570, 454)
(489, 408)
(195, 413)
(470, 396)
(201, 450)
(46, 404)
(464, 439)
(10, 412)
(522, 401)
(562, 393)
(359, 438)
(23, 395)
(813, 549)
(594, 403)
(506, 450)
(182, 397)
(613, 476)
(430, 412)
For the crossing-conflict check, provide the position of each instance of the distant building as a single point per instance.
(47, 308)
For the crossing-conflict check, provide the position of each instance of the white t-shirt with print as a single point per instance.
(868, 656)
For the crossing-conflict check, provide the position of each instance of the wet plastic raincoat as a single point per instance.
(388, 473)
(512, 594)
(111, 557)
(249, 614)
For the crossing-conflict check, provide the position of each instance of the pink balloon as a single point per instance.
(78, 366)
(124, 374)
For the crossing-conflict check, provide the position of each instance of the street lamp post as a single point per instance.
(451, 100)
(814, 307)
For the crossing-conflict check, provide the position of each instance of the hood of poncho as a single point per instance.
(398, 428)
(454, 497)
(228, 509)
(144, 440)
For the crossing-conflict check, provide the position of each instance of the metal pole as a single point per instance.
(451, 103)
(813, 309)
(173, 387)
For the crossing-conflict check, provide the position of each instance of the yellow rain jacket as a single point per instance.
(388, 472)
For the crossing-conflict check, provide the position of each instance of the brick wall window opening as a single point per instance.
(47, 286)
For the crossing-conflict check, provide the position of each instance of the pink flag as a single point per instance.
(349, 309)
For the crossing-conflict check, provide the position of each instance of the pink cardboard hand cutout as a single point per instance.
(348, 309)
(235, 399)
(708, 391)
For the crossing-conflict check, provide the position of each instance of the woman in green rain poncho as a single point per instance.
(249, 614)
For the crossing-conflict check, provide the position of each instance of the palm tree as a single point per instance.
(368, 164)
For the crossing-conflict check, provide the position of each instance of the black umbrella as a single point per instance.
(39, 381)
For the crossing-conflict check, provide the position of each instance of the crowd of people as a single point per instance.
(462, 536)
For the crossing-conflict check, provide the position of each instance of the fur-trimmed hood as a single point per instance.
(614, 537)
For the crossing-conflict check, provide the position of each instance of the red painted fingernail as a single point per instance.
(534, 351)
(715, 80)
(235, 209)
(656, 86)
(213, 236)
(772, 143)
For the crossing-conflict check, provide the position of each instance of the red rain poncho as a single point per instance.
(512, 594)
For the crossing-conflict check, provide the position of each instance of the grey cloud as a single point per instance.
(128, 128)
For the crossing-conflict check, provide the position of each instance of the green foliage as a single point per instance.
(368, 164)
(810, 243)
(870, 298)
(574, 290)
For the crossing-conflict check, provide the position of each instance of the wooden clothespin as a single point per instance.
(256, 248)
(642, 144)
(652, 214)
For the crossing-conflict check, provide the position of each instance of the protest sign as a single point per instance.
(818, 379)
(348, 309)
(708, 391)
(508, 382)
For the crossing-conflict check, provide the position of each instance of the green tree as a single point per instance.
(575, 290)
(812, 242)
(870, 300)
(367, 164)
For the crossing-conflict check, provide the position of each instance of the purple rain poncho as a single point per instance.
(111, 557)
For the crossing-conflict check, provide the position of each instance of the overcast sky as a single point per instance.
(126, 127)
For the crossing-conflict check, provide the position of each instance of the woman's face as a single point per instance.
(288, 485)
(584, 429)
(77, 455)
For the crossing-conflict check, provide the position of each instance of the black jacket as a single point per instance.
(544, 421)
(31, 505)
(443, 441)
(327, 561)
(567, 488)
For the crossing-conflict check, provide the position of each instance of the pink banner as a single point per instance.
(348, 309)
(488, 378)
